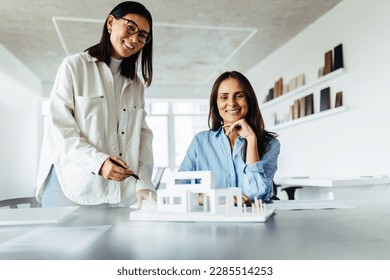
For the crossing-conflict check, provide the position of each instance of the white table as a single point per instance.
(358, 233)
(327, 187)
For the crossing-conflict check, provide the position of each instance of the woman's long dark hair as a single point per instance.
(253, 117)
(103, 50)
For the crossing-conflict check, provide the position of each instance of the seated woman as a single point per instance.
(237, 147)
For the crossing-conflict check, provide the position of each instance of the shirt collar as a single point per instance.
(90, 58)
(218, 132)
(94, 59)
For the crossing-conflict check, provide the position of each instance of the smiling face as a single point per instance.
(231, 101)
(123, 44)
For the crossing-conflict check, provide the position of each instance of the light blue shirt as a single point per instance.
(210, 150)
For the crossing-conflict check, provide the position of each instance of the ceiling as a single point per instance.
(194, 40)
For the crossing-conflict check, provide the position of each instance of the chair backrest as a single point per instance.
(159, 172)
(275, 191)
(16, 202)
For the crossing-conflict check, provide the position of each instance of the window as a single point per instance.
(159, 126)
(174, 124)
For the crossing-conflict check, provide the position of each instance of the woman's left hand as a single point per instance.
(145, 194)
(241, 127)
(245, 200)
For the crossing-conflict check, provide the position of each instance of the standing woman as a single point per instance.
(97, 147)
(237, 147)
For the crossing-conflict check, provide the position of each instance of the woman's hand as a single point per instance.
(146, 194)
(240, 127)
(116, 169)
(245, 200)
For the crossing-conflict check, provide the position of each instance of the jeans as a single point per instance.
(53, 195)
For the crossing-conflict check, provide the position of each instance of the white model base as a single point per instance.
(153, 215)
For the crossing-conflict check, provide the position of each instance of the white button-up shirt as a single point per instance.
(83, 130)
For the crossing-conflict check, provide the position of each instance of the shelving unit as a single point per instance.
(308, 118)
(303, 88)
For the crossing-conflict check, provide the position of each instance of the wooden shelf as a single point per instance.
(294, 92)
(316, 116)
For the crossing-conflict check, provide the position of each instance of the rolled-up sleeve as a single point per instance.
(258, 177)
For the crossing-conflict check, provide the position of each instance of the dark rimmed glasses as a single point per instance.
(132, 29)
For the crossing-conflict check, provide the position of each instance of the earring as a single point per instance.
(109, 31)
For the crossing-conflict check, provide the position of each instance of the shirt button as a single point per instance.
(120, 154)
(124, 110)
(123, 132)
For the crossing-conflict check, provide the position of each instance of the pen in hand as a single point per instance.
(120, 165)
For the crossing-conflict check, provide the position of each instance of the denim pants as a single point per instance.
(53, 195)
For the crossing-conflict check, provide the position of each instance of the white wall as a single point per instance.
(355, 142)
(20, 127)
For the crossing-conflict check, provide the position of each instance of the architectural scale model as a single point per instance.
(179, 202)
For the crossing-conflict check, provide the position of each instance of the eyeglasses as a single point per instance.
(132, 29)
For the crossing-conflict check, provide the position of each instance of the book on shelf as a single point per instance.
(328, 62)
(296, 109)
(280, 85)
(296, 82)
(292, 84)
(302, 107)
(325, 99)
(320, 71)
(300, 80)
(270, 95)
(309, 105)
(339, 99)
(278, 88)
(338, 57)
